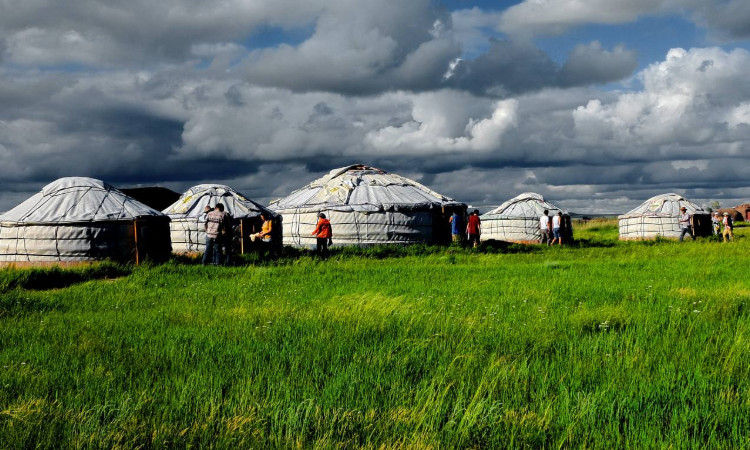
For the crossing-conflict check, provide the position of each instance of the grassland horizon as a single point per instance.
(600, 344)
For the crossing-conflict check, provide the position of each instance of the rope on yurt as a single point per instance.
(356, 227)
(42, 199)
(296, 223)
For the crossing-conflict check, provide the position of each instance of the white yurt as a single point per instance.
(188, 220)
(517, 220)
(659, 216)
(82, 219)
(367, 206)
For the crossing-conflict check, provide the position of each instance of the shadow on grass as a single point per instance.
(41, 279)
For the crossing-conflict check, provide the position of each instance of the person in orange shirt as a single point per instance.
(323, 233)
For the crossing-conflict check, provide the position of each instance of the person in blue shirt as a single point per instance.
(455, 222)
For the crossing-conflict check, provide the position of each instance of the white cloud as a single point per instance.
(724, 19)
(689, 98)
(551, 17)
(436, 119)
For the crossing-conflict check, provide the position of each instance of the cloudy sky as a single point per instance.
(596, 104)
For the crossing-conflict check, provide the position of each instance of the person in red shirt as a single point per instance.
(323, 233)
(473, 228)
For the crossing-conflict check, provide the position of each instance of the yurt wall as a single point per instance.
(366, 206)
(188, 220)
(82, 219)
(517, 220)
(659, 216)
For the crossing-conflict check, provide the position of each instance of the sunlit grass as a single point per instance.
(603, 344)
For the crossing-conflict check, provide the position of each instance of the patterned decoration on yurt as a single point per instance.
(367, 206)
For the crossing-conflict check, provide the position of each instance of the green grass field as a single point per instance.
(605, 344)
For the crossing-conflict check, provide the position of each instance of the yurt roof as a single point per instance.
(362, 188)
(528, 204)
(77, 199)
(192, 203)
(664, 205)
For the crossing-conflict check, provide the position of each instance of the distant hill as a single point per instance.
(593, 216)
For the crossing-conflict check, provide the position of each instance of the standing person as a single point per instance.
(265, 231)
(226, 234)
(473, 228)
(265, 235)
(544, 228)
(728, 227)
(716, 223)
(556, 234)
(213, 225)
(685, 224)
(324, 234)
(455, 222)
(206, 210)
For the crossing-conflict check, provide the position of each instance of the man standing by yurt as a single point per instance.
(544, 227)
(455, 222)
(556, 228)
(685, 226)
(226, 235)
(214, 224)
(473, 228)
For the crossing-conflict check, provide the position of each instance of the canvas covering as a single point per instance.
(365, 205)
(80, 219)
(658, 216)
(187, 228)
(517, 220)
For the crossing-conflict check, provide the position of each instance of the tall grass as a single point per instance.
(603, 344)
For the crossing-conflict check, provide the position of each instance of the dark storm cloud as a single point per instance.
(362, 48)
(590, 64)
(507, 68)
(179, 100)
(122, 33)
(514, 67)
(724, 19)
(356, 48)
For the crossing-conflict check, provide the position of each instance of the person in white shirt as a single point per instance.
(544, 227)
(556, 222)
(716, 223)
(685, 225)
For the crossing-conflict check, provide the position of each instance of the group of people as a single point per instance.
(717, 222)
(551, 228)
(220, 231)
(473, 228)
(686, 225)
(218, 227)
